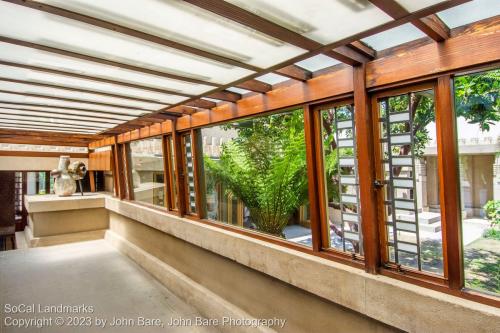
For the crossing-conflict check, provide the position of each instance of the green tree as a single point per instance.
(265, 167)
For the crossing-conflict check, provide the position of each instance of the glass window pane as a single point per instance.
(477, 107)
(255, 175)
(190, 173)
(322, 21)
(206, 30)
(409, 164)
(340, 164)
(469, 12)
(394, 37)
(107, 44)
(413, 6)
(146, 160)
(28, 56)
(317, 62)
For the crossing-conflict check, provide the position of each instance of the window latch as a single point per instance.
(378, 183)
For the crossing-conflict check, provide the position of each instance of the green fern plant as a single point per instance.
(265, 167)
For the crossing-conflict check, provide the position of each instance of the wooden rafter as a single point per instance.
(46, 138)
(431, 25)
(246, 18)
(295, 72)
(225, 95)
(201, 103)
(102, 61)
(255, 85)
(51, 122)
(130, 32)
(363, 49)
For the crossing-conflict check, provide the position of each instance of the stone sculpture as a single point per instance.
(66, 175)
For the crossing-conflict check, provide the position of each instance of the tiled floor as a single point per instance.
(92, 274)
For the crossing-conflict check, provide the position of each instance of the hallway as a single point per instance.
(90, 274)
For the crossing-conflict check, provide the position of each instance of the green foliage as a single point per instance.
(492, 210)
(477, 98)
(492, 233)
(265, 167)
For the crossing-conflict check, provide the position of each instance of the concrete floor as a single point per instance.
(90, 273)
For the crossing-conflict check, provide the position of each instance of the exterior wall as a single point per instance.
(258, 294)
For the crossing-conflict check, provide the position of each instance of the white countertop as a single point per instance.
(52, 202)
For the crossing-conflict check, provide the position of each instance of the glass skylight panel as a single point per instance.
(55, 92)
(271, 78)
(54, 110)
(470, 12)
(238, 90)
(414, 5)
(320, 20)
(317, 62)
(25, 55)
(5, 97)
(23, 118)
(35, 114)
(394, 37)
(188, 24)
(78, 83)
(46, 129)
(67, 34)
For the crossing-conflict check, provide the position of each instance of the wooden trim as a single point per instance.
(476, 45)
(314, 181)
(127, 159)
(449, 182)
(366, 171)
(42, 154)
(166, 172)
(120, 170)
(179, 170)
(198, 173)
(92, 180)
(102, 61)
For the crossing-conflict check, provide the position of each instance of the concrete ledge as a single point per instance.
(209, 304)
(396, 303)
(52, 202)
(62, 239)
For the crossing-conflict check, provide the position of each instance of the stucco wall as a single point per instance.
(258, 294)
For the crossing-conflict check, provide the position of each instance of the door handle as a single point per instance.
(378, 183)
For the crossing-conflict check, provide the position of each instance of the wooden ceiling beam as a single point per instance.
(253, 21)
(64, 99)
(431, 25)
(255, 85)
(362, 48)
(93, 78)
(45, 138)
(347, 55)
(184, 109)
(225, 95)
(47, 128)
(201, 103)
(131, 32)
(56, 86)
(69, 108)
(294, 72)
(102, 61)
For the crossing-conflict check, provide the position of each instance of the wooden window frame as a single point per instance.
(365, 104)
